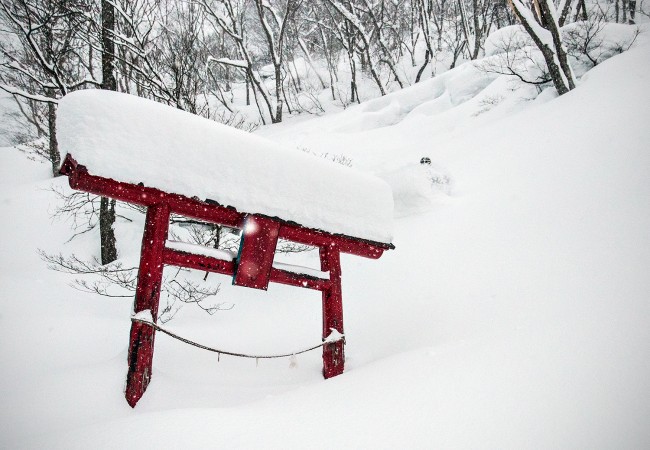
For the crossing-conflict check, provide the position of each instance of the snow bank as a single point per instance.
(196, 249)
(416, 187)
(509, 38)
(140, 141)
(302, 270)
(433, 96)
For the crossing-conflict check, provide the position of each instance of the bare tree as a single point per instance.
(540, 20)
(585, 40)
(117, 281)
(352, 20)
(377, 19)
(106, 205)
(425, 12)
(516, 55)
(229, 17)
(274, 31)
(45, 61)
(482, 15)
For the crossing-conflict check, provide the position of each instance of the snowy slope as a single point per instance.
(513, 314)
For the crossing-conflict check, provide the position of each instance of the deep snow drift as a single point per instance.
(513, 314)
(134, 140)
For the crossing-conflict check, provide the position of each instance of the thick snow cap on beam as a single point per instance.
(135, 140)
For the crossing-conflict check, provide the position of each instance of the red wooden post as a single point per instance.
(333, 355)
(147, 295)
(256, 252)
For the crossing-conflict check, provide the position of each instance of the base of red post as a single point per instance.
(333, 359)
(140, 362)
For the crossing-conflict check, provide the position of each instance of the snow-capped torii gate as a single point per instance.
(253, 266)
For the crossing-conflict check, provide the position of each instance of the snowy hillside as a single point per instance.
(513, 312)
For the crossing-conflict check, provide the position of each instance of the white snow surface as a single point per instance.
(334, 336)
(201, 250)
(293, 268)
(135, 140)
(513, 37)
(144, 315)
(513, 313)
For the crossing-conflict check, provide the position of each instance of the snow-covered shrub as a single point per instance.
(416, 186)
(592, 41)
(507, 38)
(511, 51)
(338, 158)
(236, 120)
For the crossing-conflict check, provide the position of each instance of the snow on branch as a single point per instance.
(240, 63)
(19, 92)
(117, 281)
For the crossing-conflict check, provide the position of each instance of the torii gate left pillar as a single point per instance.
(147, 296)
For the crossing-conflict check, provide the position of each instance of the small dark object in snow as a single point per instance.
(425, 160)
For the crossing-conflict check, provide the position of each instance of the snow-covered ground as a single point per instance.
(513, 313)
(12, 126)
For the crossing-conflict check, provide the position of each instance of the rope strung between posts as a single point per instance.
(329, 340)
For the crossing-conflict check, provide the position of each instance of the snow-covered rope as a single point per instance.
(333, 338)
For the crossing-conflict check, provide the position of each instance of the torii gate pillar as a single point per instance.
(147, 296)
(333, 355)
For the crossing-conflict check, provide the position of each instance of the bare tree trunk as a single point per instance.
(53, 145)
(581, 11)
(440, 24)
(248, 90)
(275, 43)
(469, 37)
(329, 58)
(351, 46)
(55, 156)
(353, 25)
(424, 65)
(108, 46)
(424, 13)
(373, 72)
(106, 206)
(310, 60)
(353, 75)
(560, 50)
(106, 232)
(278, 95)
(564, 14)
(388, 57)
(478, 31)
(554, 54)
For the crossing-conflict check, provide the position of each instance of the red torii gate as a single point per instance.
(253, 267)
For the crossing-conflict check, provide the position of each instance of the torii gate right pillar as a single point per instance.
(333, 355)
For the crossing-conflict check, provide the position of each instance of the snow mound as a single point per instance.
(135, 140)
(507, 38)
(416, 187)
(430, 97)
